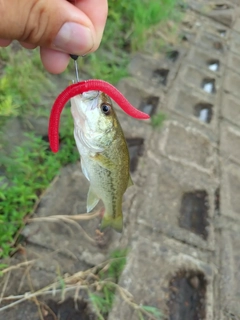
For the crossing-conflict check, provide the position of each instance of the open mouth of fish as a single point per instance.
(91, 98)
(89, 102)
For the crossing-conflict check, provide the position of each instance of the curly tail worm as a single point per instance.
(79, 88)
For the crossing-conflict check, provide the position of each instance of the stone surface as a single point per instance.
(198, 152)
(160, 204)
(152, 70)
(232, 82)
(231, 109)
(230, 190)
(229, 143)
(163, 262)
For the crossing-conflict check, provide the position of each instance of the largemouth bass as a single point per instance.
(104, 154)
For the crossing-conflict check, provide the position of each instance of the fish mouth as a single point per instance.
(90, 94)
(80, 106)
(83, 103)
(91, 99)
(77, 111)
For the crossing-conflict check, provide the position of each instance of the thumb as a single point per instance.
(55, 24)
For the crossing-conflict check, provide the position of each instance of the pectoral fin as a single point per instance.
(92, 200)
(84, 170)
(103, 161)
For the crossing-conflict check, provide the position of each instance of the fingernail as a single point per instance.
(74, 38)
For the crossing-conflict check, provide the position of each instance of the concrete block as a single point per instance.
(225, 16)
(188, 146)
(233, 62)
(230, 186)
(202, 110)
(232, 83)
(150, 275)
(153, 71)
(178, 201)
(236, 25)
(216, 29)
(213, 42)
(234, 42)
(201, 80)
(229, 143)
(208, 61)
(139, 93)
(134, 127)
(225, 13)
(230, 270)
(230, 108)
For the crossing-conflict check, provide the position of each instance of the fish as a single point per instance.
(104, 154)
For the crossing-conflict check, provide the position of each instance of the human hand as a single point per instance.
(58, 27)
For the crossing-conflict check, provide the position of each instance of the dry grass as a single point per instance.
(88, 281)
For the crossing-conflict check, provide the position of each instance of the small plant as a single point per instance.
(7, 106)
(22, 84)
(103, 300)
(158, 119)
(158, 315)
(98, 282)
(109, 276)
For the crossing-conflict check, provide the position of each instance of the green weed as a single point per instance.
(158, 119)
(99, 283)
(153, 311)
(23, 83)
(129, 21)
(103, 300)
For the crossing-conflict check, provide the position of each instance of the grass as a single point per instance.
(99, 282)
(103, 299)
(157, 120)
(23, 82)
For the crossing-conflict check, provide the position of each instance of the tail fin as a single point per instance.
(115, 223)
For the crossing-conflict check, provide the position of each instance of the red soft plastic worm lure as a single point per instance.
(79, 88)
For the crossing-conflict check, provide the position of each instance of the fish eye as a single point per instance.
(105, 108)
